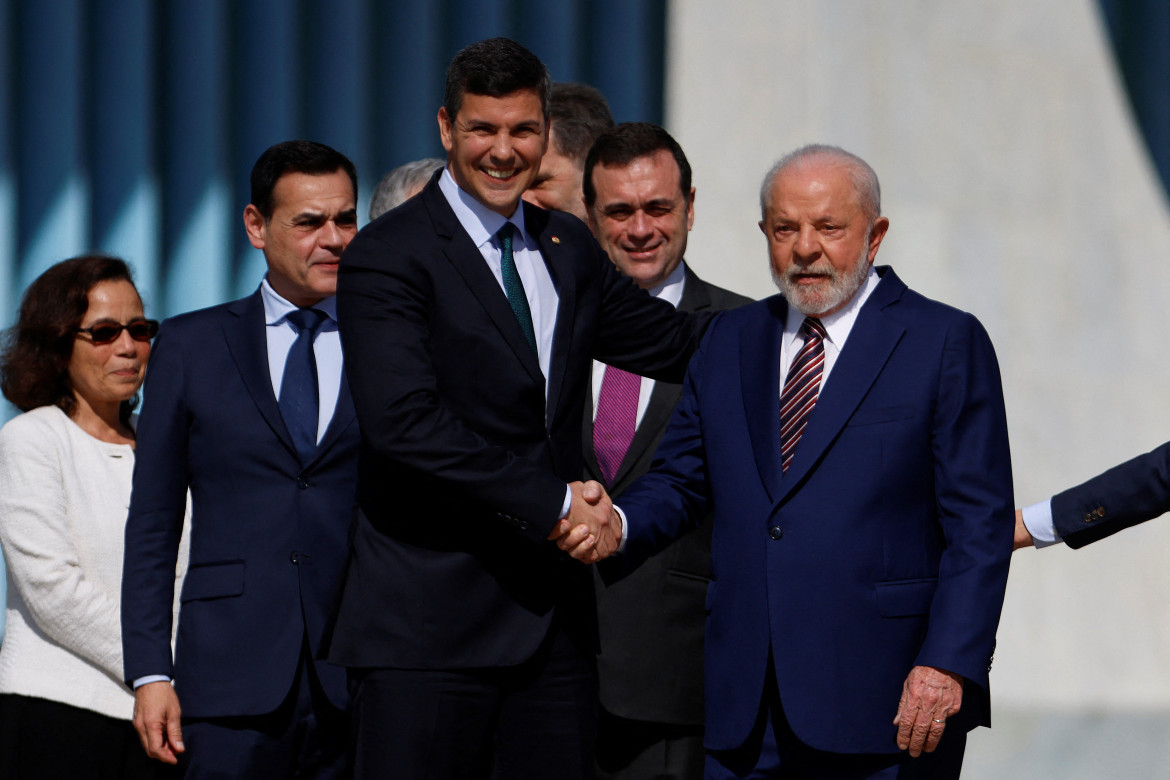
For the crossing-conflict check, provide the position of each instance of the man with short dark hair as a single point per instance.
(246, 407)
(470, 320)
(650, 671)
(578, 115)
(851, 439)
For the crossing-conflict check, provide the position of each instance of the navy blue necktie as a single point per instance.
(513, 287)
(299, 402)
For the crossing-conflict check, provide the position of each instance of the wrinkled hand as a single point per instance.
(156, 719)
(929, 697)
(592, 529)
(1023, 538)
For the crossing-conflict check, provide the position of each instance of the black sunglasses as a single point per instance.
(108, 332)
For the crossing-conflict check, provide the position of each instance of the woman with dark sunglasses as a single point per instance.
(73, 364)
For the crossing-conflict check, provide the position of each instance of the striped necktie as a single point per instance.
(801, 388)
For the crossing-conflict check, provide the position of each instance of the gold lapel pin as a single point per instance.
(556, 240)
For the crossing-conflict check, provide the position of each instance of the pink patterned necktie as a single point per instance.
(801, 388)
(616, 420)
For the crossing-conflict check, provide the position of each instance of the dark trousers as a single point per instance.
(305, 737)
(534, 721)
(774, 752)
(47, 739)
(640, 750)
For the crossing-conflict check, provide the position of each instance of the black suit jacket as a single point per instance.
(1125, 495)
(651, 622)
(268, 532)
(463, 464)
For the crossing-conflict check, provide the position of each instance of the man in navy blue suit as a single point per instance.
(246, 406)
(850, 437)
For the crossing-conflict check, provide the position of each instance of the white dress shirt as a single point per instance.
(281, 334)
(482, 224)
(1038, 521)
(671, 291)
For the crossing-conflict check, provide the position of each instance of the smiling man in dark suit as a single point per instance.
(470, 322)
(650, 671)
(246, 405)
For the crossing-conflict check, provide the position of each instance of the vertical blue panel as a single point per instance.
(53, 213)
(198, 208)
(125, 206)
(627, 45)
(556, 33)
(335, 79)
(409, 55)
(9, 291)
(1140, 31)
(469, 21)
(265, 76)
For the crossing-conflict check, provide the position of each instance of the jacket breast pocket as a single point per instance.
(905, 598)
(881, 414)
(213, 581)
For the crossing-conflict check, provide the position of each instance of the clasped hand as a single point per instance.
(592, 530)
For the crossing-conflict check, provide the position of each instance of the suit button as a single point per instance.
(295, 557)
(302, 483)
(775, 532)
(523, 525)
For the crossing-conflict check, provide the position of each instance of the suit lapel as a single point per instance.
(871, 340)
(469, 263)
(556, 254)
(759, 365)
(248, 343)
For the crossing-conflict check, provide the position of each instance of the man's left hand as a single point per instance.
(929, 697)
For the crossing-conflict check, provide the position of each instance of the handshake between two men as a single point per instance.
(592, 530)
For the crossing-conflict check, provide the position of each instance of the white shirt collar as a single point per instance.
(276, 308)
(838, 324)
(480, 222)
(671, 289)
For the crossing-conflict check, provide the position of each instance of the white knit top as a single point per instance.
(64, 496)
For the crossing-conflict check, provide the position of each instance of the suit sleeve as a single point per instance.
(973, 489)
(674, 495)
(1125, 495)
(157, 507)
(385, 304)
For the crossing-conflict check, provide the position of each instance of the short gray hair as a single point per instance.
(400, 183)
(865, 181)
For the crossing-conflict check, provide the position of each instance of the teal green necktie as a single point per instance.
(513, 287)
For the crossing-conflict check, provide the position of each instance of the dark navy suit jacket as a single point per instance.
(884, 546)
(464, 464)
(268, 532)
(1125, 495)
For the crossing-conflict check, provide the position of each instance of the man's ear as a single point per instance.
(254, 224)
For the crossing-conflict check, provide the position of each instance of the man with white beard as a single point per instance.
(850, 438)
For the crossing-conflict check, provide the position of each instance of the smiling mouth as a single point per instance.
(499, 174)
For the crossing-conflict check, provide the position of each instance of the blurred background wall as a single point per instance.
(1023, 148)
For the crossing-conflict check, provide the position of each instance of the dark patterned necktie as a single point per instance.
(801, 388)
(513, 287)
(299, 400)
(616, 420)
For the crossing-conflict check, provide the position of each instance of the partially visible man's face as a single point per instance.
(314, 217)
(494, 146)
(820, 241)
(558, 183)
(641, 216)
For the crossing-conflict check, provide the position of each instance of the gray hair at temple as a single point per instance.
(865, 181)
(579, 114)
(402, 183)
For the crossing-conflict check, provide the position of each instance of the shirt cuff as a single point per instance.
(1038, 521)
(567, 503)
(625, 525)
(139, 682)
